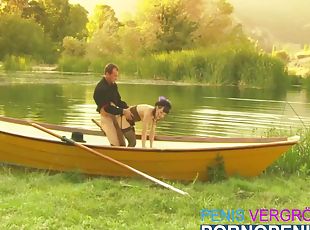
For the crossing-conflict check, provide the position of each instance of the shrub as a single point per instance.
(17, 63)
(73, 64)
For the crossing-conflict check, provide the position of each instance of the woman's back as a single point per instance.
(145, 112)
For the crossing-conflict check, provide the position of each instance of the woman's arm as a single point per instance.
(143, 134)
(152, 133)
(145, 113)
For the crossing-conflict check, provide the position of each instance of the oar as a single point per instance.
(97, 123)
(64, 139)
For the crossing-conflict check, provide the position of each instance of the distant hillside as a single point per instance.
(275, 20)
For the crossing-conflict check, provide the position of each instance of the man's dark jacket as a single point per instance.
(106, 93)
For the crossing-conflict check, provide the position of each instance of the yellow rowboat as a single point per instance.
(177, 158)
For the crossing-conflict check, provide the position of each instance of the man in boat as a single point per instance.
(110, 106)
(149, 115)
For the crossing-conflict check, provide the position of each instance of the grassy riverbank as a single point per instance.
(38, 200)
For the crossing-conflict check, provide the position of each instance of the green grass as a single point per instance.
(41, 200)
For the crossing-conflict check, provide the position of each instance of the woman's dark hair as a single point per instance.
(109, 68)
(164, 102)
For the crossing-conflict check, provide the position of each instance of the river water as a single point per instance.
(196, 110)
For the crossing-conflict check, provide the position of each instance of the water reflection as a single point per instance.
(197, 110)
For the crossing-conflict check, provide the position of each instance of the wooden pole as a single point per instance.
(97, 123)
(109, 159)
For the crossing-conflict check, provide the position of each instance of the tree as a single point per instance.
(73, 47)
(175, 31)
(104, 43)
(21, 37)
(76, 22)
(13, 7)
(166, 25)
(36, 11)
(103, 30)
(58, 18)
(57, 12)
(131, 39)
(103, 15)
(183, 24)
(214, 22)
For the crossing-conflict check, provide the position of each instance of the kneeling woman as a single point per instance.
(149, 115)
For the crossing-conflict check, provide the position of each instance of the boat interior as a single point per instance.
(97, 138)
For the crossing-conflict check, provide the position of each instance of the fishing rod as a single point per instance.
(297, 114)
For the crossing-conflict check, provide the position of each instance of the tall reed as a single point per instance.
(73, 64)
(219, 65)
(17, 63)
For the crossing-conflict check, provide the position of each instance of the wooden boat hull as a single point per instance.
(176, 164)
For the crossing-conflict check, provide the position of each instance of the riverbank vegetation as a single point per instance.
(42, 200)
(297, 159)
(169, 40)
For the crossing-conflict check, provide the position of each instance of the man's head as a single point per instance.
(111, 72)
(163, 107)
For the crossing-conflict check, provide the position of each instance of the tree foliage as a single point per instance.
(215, 22)
(38, 22)
(104, 43)
(165, 25)
(183, 24)
(131, 39)
(104, 16)
(20, 37)
(73, 47)
(175, 27)
(36, 11)
(57, 12)
(76, 22)
(13, 7)
(158, 26)
(103, 30)
(58, 18)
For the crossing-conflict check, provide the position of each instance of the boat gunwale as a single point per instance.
(158, 137)
(157, 150)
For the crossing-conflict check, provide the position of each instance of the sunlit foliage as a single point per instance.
(21, 37)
